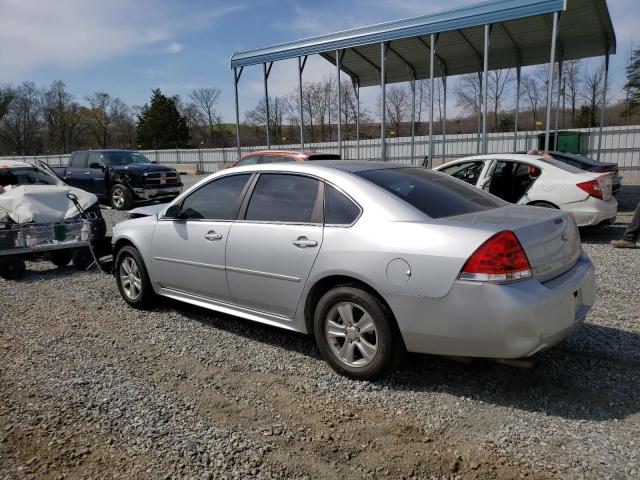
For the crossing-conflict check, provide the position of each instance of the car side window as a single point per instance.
(468, 171)
(79, 160)
(338, 209)
(217, 200)
(95, 159)
(252, 160)
(283, 198)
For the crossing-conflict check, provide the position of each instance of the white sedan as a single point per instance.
(540, 181)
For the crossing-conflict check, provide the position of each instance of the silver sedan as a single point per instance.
(373, 259)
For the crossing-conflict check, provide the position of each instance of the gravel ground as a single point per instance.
(92, 389)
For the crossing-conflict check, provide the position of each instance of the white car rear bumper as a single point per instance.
(592, 211)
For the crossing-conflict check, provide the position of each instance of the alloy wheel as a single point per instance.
(351, 334)
(130, 278)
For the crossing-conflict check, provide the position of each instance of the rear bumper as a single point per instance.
(497, 321)
(592, 211)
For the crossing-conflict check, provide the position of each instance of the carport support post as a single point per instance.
(517, 111)
(432, 53)
(266, 71)
(357, 89)
(300, 104)
(338, 55)
(555, 136)
(485, 93)
(554, 37)
(444, 118)
(479, 116)
(236, 78)
(383, 52)
(604, 102)
(412, 83)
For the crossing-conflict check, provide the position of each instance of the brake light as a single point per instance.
(592, 187)
(499, 259)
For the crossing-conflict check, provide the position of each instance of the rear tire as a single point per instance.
(12, 267)
(82, 258)
(121, 197)
(60, 258)
(132, 278)
(356, 334)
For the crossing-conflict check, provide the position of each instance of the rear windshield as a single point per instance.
(435, 194)
(324, 156)
(560, 164)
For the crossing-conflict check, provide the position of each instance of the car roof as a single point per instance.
(292, 153)
(349, 166)
(13, 164)
(105, 150)
(522, 157)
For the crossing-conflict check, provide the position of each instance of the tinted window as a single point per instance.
(217, 200)
(283, 198)
(25, 176)
(561, 165)
(127, 158)
(468, 172)
(276, 159)
(79, 160)
(324, 156)
(433, 193)
(95, 157)
(252, 160)
(338, 209)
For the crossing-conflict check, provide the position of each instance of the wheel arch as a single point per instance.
(323, 285)
(543, 203)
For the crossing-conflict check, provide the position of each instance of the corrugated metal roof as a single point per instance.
(521, 35)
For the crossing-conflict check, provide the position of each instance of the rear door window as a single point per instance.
(433, 193)
(79, 160)
(276, 159)
(284, 198)
(338, 208)
(467, 172)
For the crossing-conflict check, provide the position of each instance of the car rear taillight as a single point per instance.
(499, 259)
(592, 187)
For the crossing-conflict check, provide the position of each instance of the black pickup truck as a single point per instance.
(120, 176)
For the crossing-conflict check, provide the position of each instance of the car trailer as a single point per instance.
(59, 242)
(475, 39)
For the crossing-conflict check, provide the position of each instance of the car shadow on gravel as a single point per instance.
(593, 375)
(52, 273)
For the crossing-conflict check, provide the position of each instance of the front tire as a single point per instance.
(355, 333)
(121, 197)
(132, 278)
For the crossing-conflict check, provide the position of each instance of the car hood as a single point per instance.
(141, 168)
(42, 203)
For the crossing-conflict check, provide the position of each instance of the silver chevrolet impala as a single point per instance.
(373, 259)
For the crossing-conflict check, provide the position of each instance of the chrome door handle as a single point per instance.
(87, 173)
(304, 242)
(211, 235)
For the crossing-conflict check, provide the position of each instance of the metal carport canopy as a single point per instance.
(520, 36)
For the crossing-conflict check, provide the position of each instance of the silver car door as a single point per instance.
(189, 251)
(271, 251)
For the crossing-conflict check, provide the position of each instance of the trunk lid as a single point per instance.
(549, 237)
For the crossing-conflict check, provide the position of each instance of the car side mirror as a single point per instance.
(173, 212)
(96, 165)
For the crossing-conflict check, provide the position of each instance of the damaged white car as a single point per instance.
(43, 218)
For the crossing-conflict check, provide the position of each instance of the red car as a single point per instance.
(277, 156)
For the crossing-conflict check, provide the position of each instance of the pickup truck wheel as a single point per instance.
(11, 267)
(60, 258)
(132, 278)
(121, 197)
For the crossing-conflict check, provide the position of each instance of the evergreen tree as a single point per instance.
(160, 125)
(633, 78)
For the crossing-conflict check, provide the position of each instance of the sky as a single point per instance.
(129, 47)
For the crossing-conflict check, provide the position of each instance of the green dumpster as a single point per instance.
(570, 142)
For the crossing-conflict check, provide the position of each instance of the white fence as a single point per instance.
(620, 145)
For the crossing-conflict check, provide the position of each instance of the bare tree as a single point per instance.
(592, 94)
(398, 107)
(22, 123)
(572, 85)
(257, 117)
(532, 92)
(98, 118)
(206, 100)
(62, 115)
(499, 84)
(468, 94)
